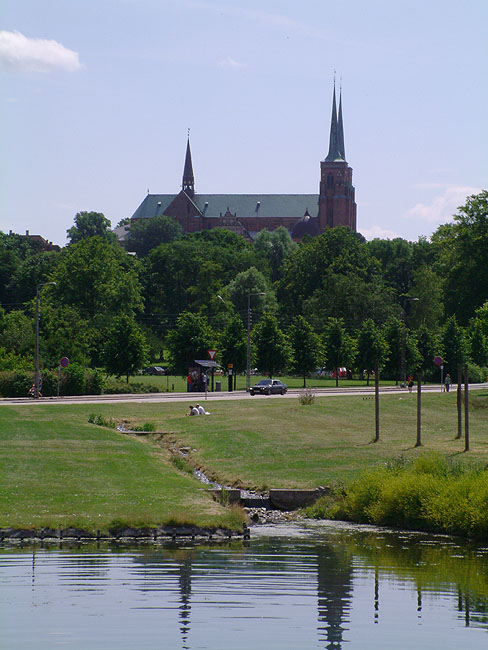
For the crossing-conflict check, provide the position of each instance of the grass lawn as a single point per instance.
(57, 469)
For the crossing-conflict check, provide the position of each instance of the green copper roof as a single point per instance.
(243, 205)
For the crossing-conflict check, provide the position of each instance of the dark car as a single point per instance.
(154, 370)
(268, 387)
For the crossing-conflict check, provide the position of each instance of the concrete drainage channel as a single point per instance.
(282, 500)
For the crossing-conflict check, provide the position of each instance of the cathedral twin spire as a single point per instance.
(337, 151)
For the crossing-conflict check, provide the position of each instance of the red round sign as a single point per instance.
(64, 363)
(438, 361)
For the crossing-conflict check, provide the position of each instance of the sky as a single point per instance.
(97, 96)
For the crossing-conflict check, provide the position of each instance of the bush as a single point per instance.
(114, 387)
(432, 493)
(15, 383)
(306, 397)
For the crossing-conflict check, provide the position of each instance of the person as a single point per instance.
(410, 384)
(193, 411)
(447, 382)
(201, 410)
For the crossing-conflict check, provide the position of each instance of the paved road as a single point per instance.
(211, 397)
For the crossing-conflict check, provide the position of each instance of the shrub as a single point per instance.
(100, 421)
(15, 383)
(432, 493)
(306, 397)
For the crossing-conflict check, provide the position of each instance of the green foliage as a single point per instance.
(90, 224)
(332, 274)
(371, 346)
(190, 340)
(477, 342)
(454, 346)
(307, 352)
(98, 278)
(462, 247)
(125, 349)
(147, 427)
(101, 421)
(272, 350)
(233, 345)
(431, 494)
(306, 397)
(146, 234)
(340, 347)
(15, 383)
(17, 333)
(275, 246)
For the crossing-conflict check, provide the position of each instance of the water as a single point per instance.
(313, 585)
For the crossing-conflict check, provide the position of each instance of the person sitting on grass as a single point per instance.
(193, 410)
(201, 410)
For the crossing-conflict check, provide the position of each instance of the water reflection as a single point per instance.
(314, 586)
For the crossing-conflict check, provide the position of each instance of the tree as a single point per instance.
(90, 224)
(428, 346)
(429, 308)
(146, 234)
(463, 255)
(125, 350)
(477, 343)
(190, 340)
(454, 345)
(248, 282)
(271, 346)
(307, 353)
(98, 278)
(339, 346)
(233, 345)
(372, 347)
(17, 333)
(394, 332)
(275, 247)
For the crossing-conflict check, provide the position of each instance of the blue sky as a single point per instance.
(96, 98)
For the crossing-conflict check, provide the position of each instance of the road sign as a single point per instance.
(211, 354)
(438, 361)
(64, 362)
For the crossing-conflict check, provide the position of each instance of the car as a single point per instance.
(268, 387)
(154, 370)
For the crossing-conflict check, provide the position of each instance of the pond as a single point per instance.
(295, 586)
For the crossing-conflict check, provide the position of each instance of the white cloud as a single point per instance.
(36, 54)
(376, 232)
(443, 206)
(231, 63)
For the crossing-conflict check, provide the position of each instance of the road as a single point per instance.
(212, 397)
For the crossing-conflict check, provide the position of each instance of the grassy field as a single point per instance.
(57, 469)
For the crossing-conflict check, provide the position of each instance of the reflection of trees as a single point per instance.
(334, 587)
(431, 564)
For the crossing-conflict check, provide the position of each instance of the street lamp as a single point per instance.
(37, 388)
(248, 370)
(404, 352)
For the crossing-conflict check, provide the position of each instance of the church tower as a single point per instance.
(336, 193)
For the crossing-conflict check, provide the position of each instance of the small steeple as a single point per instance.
(336, 133)
(188, 184)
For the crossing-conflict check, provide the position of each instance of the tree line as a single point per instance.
(331, 301)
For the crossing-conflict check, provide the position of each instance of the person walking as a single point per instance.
(447, 382)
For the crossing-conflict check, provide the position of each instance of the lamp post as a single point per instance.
(248, 367)
(404, 351)
(37, 388)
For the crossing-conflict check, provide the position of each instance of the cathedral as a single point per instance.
(247, 214)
